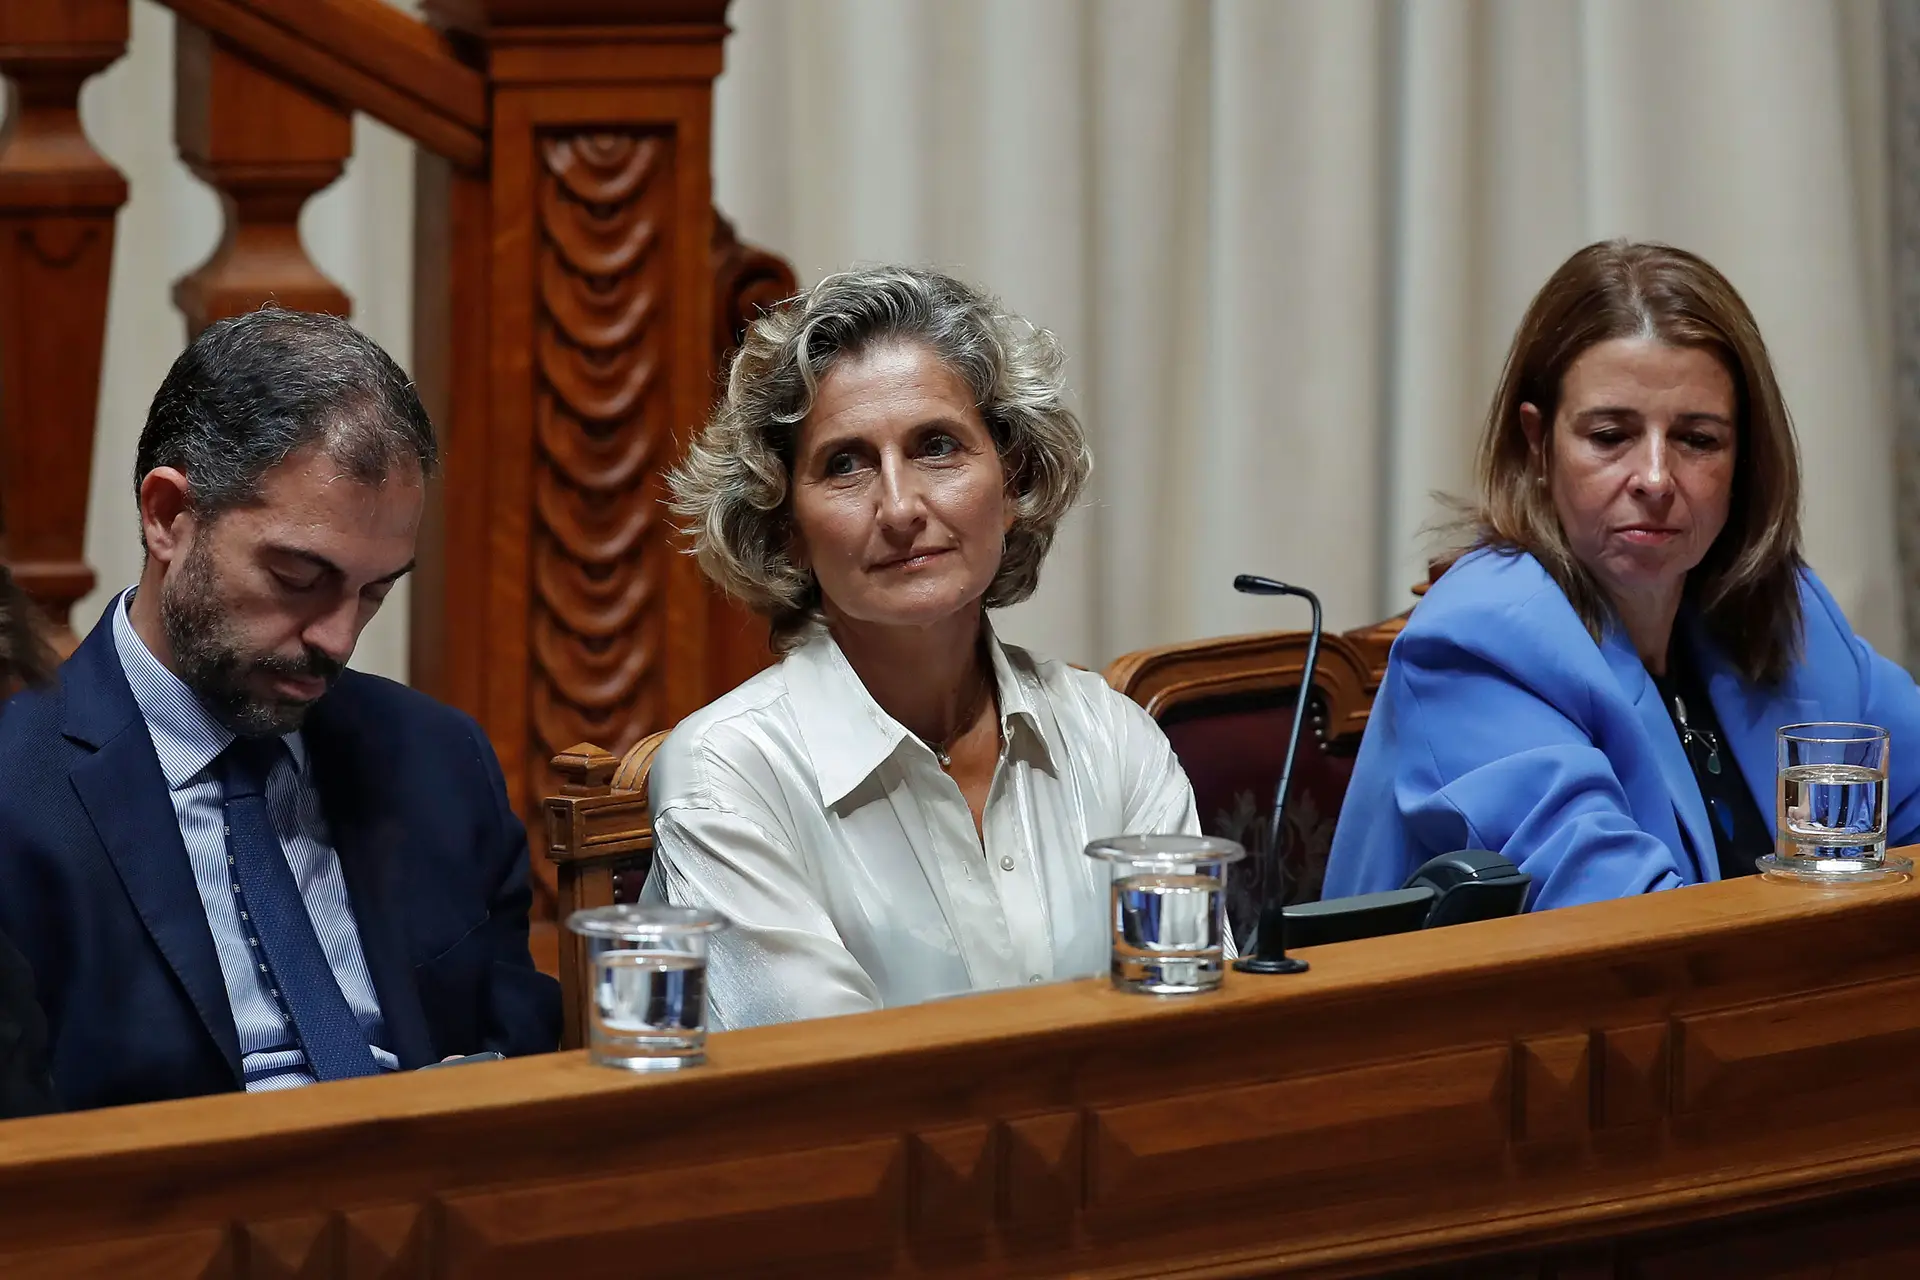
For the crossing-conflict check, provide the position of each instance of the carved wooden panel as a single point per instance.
(1634, 1071)
(188, 1255)
(1041, 1173)
(306, 1247)
(828, 1208)
(1827, 1047)
(58, 202)
(388, 1242)
(603, 438)
(1410, 1106)
(1451, 1108)
(567, 306)
(953, 1173)
(1553, 1084)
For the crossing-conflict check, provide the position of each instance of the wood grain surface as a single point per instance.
(1637, 1088)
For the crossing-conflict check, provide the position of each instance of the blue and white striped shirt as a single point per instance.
(188, 740)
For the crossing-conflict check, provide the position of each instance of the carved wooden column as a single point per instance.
(562, 608)
(266, 146)
(58, 200)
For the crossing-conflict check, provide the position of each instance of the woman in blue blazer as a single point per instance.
(1593, 688)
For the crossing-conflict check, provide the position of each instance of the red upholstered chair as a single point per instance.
(1226, 706)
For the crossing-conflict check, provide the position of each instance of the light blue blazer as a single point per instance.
(1501, 725)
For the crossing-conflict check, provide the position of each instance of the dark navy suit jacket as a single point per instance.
(25, 1089)
(1502, 725)
(97, 893)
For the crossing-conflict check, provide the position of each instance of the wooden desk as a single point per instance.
(1587, 1092)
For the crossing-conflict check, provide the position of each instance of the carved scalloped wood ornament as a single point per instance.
(602, 432)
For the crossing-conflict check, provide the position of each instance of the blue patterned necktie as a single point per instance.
(276, 919)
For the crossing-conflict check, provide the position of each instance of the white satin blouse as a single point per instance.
(848, 862)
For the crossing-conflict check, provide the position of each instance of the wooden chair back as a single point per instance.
(1375, 640)
(600, 841)
(1226, 705)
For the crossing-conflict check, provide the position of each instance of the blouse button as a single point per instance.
(1006, 863)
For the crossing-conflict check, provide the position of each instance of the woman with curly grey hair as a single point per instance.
(896, 810)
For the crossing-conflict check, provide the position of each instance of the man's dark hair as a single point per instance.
(251, 391)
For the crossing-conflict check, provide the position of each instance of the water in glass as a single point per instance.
(1833, 813)
(645, 966)
(649, 1005)
(1168, 932)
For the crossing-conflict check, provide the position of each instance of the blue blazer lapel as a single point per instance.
(370, 841)
(125, 795)
(1751, 717)
(1684, 789)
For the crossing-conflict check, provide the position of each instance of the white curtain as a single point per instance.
(1285, 243)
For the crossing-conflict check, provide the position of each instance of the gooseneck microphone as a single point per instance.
(1270, 935)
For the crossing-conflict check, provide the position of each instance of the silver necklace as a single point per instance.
(1690, 736)
(943, 749)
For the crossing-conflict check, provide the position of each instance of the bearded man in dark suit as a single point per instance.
(231, 862)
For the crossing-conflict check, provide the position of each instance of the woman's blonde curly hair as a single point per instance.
(732, 490)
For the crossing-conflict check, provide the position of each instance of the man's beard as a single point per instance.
(208, 656)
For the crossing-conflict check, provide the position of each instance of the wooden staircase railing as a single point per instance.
(574, 293)
(58, 202)
(365, 55)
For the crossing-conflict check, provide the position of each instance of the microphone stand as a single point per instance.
(1270, 935)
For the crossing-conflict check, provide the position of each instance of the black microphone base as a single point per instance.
(1270, 939)
(1258, 964)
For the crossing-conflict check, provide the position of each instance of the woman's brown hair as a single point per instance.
(25, 657)
(1746, 589)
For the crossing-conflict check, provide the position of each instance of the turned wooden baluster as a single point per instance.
(266, 146)
(58, 200)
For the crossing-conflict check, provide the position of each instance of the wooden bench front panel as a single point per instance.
(1713, 1081)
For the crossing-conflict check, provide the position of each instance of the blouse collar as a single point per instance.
(847, 733)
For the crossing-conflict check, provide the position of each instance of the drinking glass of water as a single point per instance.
(646, 972)
(1169, 910)
(1831, 804)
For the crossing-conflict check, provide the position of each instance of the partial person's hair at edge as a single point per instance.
(1746, 589)
(253, 390)
(26, 659)
(733, 488)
